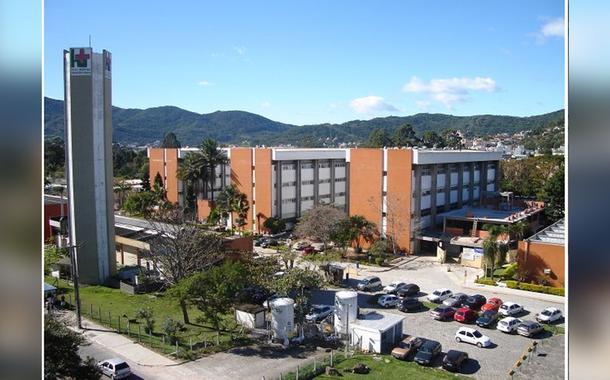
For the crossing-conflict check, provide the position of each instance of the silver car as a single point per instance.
(319, 313)
(529, 328)
(115, 368)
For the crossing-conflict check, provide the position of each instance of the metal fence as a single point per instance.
(314, 366)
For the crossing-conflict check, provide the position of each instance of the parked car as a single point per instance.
(529, 328)
(269, 243)
(439, 295)
(456, 300)
(427, 352)
(465, 315)
(308, 250)
(406, 347)
(115, 368)
(487, 318)
(508, 324)
(475, 302)
(388, 300)
(408, 290)
(493, 303)
(472, 336)
(410, 304)
(258, 242)
(319, 313)
(454, 360)
(393, 287)
(300, 245)
(369, 283)
(442, 313)
(510, 309)
(318, 247)
(549, 315)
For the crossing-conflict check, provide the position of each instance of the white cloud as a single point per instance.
(371, 104)
(241, 50)
(553, 28)
(451, 90)
(205, 83)
(265, 104)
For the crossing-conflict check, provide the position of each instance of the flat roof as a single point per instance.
(377, 321)
(553, 234)
(484, 214)
(430, 156)
(54, 199)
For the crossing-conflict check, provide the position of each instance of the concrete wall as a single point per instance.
(537, 256)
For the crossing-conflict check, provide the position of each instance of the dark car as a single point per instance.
(475, 302)
(456, 301)
(442, 312)
(427, 352)
(529, 328)
(465, 315)
(454, 360)
(487, 318)
(258, 242)
(407, 290)
(410, 304)
(269, 243)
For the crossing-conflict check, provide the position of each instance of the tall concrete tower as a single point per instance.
(88, 122)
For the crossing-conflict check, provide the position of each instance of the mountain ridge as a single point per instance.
(148, 126)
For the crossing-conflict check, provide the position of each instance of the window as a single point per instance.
(308, 182)
(425, 212)
(441, 190)
(289, 184)
(307, 165)
(309, 198)
(325, 196)
(341, 194)
(426, 170)
(289, 200)
(327, 180)
(340, 164)
(340, 179)
(440, 170)
(425, 192)
(288, 167)
(324, 164)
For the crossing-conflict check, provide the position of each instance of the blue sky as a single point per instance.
(320, 61)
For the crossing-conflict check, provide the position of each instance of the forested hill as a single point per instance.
(148, 126)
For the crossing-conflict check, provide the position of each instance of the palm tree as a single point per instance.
(211, 157)
(518, 229)
(241, 207)
(231, 200)
(361, 229)
(494, 251)
(190, 172)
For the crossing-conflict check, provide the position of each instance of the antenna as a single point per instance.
(89, 40)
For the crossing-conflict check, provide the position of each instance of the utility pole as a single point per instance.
(74, 263)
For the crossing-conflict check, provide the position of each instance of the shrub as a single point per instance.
(171, 328)
(485, 281)
(147, 315)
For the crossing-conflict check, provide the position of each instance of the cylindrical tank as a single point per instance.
(346, 309)
(282, 318)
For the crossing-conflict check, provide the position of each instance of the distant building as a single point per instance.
(88, 120)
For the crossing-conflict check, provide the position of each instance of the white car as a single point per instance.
(394, 286)
(388, 300)
(472, 336)
(439, 295)
(115, 368)
(509, 324)
(510, 308)
(549, 315)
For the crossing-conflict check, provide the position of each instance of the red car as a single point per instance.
(492, 304)
(465, 315)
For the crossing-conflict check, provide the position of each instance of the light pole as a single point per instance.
(347, 338)
(74, 264)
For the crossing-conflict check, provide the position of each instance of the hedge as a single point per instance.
(485, 281)
(535, 288)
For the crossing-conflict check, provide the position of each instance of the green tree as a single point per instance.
(170, 141)
(215, 291)
(52, 255)
(145, 181)
(553, 196)
(343, 234)
(299, 284)
(141, 204)
(431, 140)
(191, 174)
(211, 157)
(61, 358)
(363, 230)
(274, 225)
(495, 251)
(230, 201)
(405, 136)
(378, 251)
(452, 139)
(54, 157)
(378, 139)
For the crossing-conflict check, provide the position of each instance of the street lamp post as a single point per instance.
(74, 265)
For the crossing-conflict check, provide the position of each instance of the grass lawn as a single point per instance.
(98, 301)
(555, 330)
(393, 369)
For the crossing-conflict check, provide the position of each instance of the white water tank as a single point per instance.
(346, 309)
(282, 318)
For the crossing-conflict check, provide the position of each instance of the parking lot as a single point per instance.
(492, 362)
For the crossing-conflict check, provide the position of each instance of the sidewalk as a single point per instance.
(123, 346)
(470, 284)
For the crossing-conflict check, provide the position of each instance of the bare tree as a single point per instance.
(395, 225)
(319, 223)
(180, 249)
